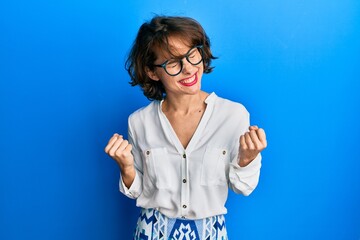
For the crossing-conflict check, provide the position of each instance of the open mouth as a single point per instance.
(189, 81)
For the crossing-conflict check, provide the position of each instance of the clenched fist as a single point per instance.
(119, 149)
(251, 144)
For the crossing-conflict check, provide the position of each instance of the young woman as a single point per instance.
(187, 147)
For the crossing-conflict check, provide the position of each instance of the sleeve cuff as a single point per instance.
(249, 169)
(245, 179)
(133, 191)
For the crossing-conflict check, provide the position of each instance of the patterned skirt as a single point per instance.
(153, 225)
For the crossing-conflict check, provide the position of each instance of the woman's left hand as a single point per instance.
(251, 144)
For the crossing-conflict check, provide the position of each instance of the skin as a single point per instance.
(184, 106)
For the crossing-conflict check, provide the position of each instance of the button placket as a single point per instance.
(184, 185)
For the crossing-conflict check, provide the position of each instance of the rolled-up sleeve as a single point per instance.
(244, 179)
(136, 187)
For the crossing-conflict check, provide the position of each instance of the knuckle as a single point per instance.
(262, 132)
(118, 153)
(111, 153)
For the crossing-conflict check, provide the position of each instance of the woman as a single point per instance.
(187, 146)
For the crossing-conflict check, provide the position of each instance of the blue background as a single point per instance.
(64, 92)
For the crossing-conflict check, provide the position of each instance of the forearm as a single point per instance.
(128, 175)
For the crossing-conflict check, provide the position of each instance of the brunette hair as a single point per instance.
(153, 37)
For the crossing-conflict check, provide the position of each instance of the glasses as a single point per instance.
(174, 67)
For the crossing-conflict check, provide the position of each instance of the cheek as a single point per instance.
(166, 80)
(200, 70)
(163, 77)
(201, 67)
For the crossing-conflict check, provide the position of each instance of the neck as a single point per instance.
(185, 104)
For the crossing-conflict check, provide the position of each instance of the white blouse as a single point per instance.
(193, 182)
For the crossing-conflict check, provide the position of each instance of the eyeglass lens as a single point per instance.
(174, 66)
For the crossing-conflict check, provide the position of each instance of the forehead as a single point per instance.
(176, 47)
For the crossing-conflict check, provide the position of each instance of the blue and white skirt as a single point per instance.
(153, 225)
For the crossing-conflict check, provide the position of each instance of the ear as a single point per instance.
(152, 74)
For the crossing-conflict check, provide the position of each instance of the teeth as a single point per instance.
(189, 80)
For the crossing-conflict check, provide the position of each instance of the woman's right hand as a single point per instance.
(119, 149)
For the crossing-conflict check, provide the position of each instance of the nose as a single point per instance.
(186, 66)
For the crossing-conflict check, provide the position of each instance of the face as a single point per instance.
(188, 81)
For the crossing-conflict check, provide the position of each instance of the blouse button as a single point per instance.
(224, 152)
(184, 156)
(184, 206)
(147, 152)
(184, 180)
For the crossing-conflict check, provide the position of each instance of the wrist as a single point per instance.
(127, 170)
(128, 175)
(244, 162)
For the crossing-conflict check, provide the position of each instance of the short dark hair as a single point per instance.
(153, 36)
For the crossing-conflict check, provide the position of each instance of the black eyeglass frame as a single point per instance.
(163, 65)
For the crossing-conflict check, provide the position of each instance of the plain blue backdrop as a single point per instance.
(64, 92)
